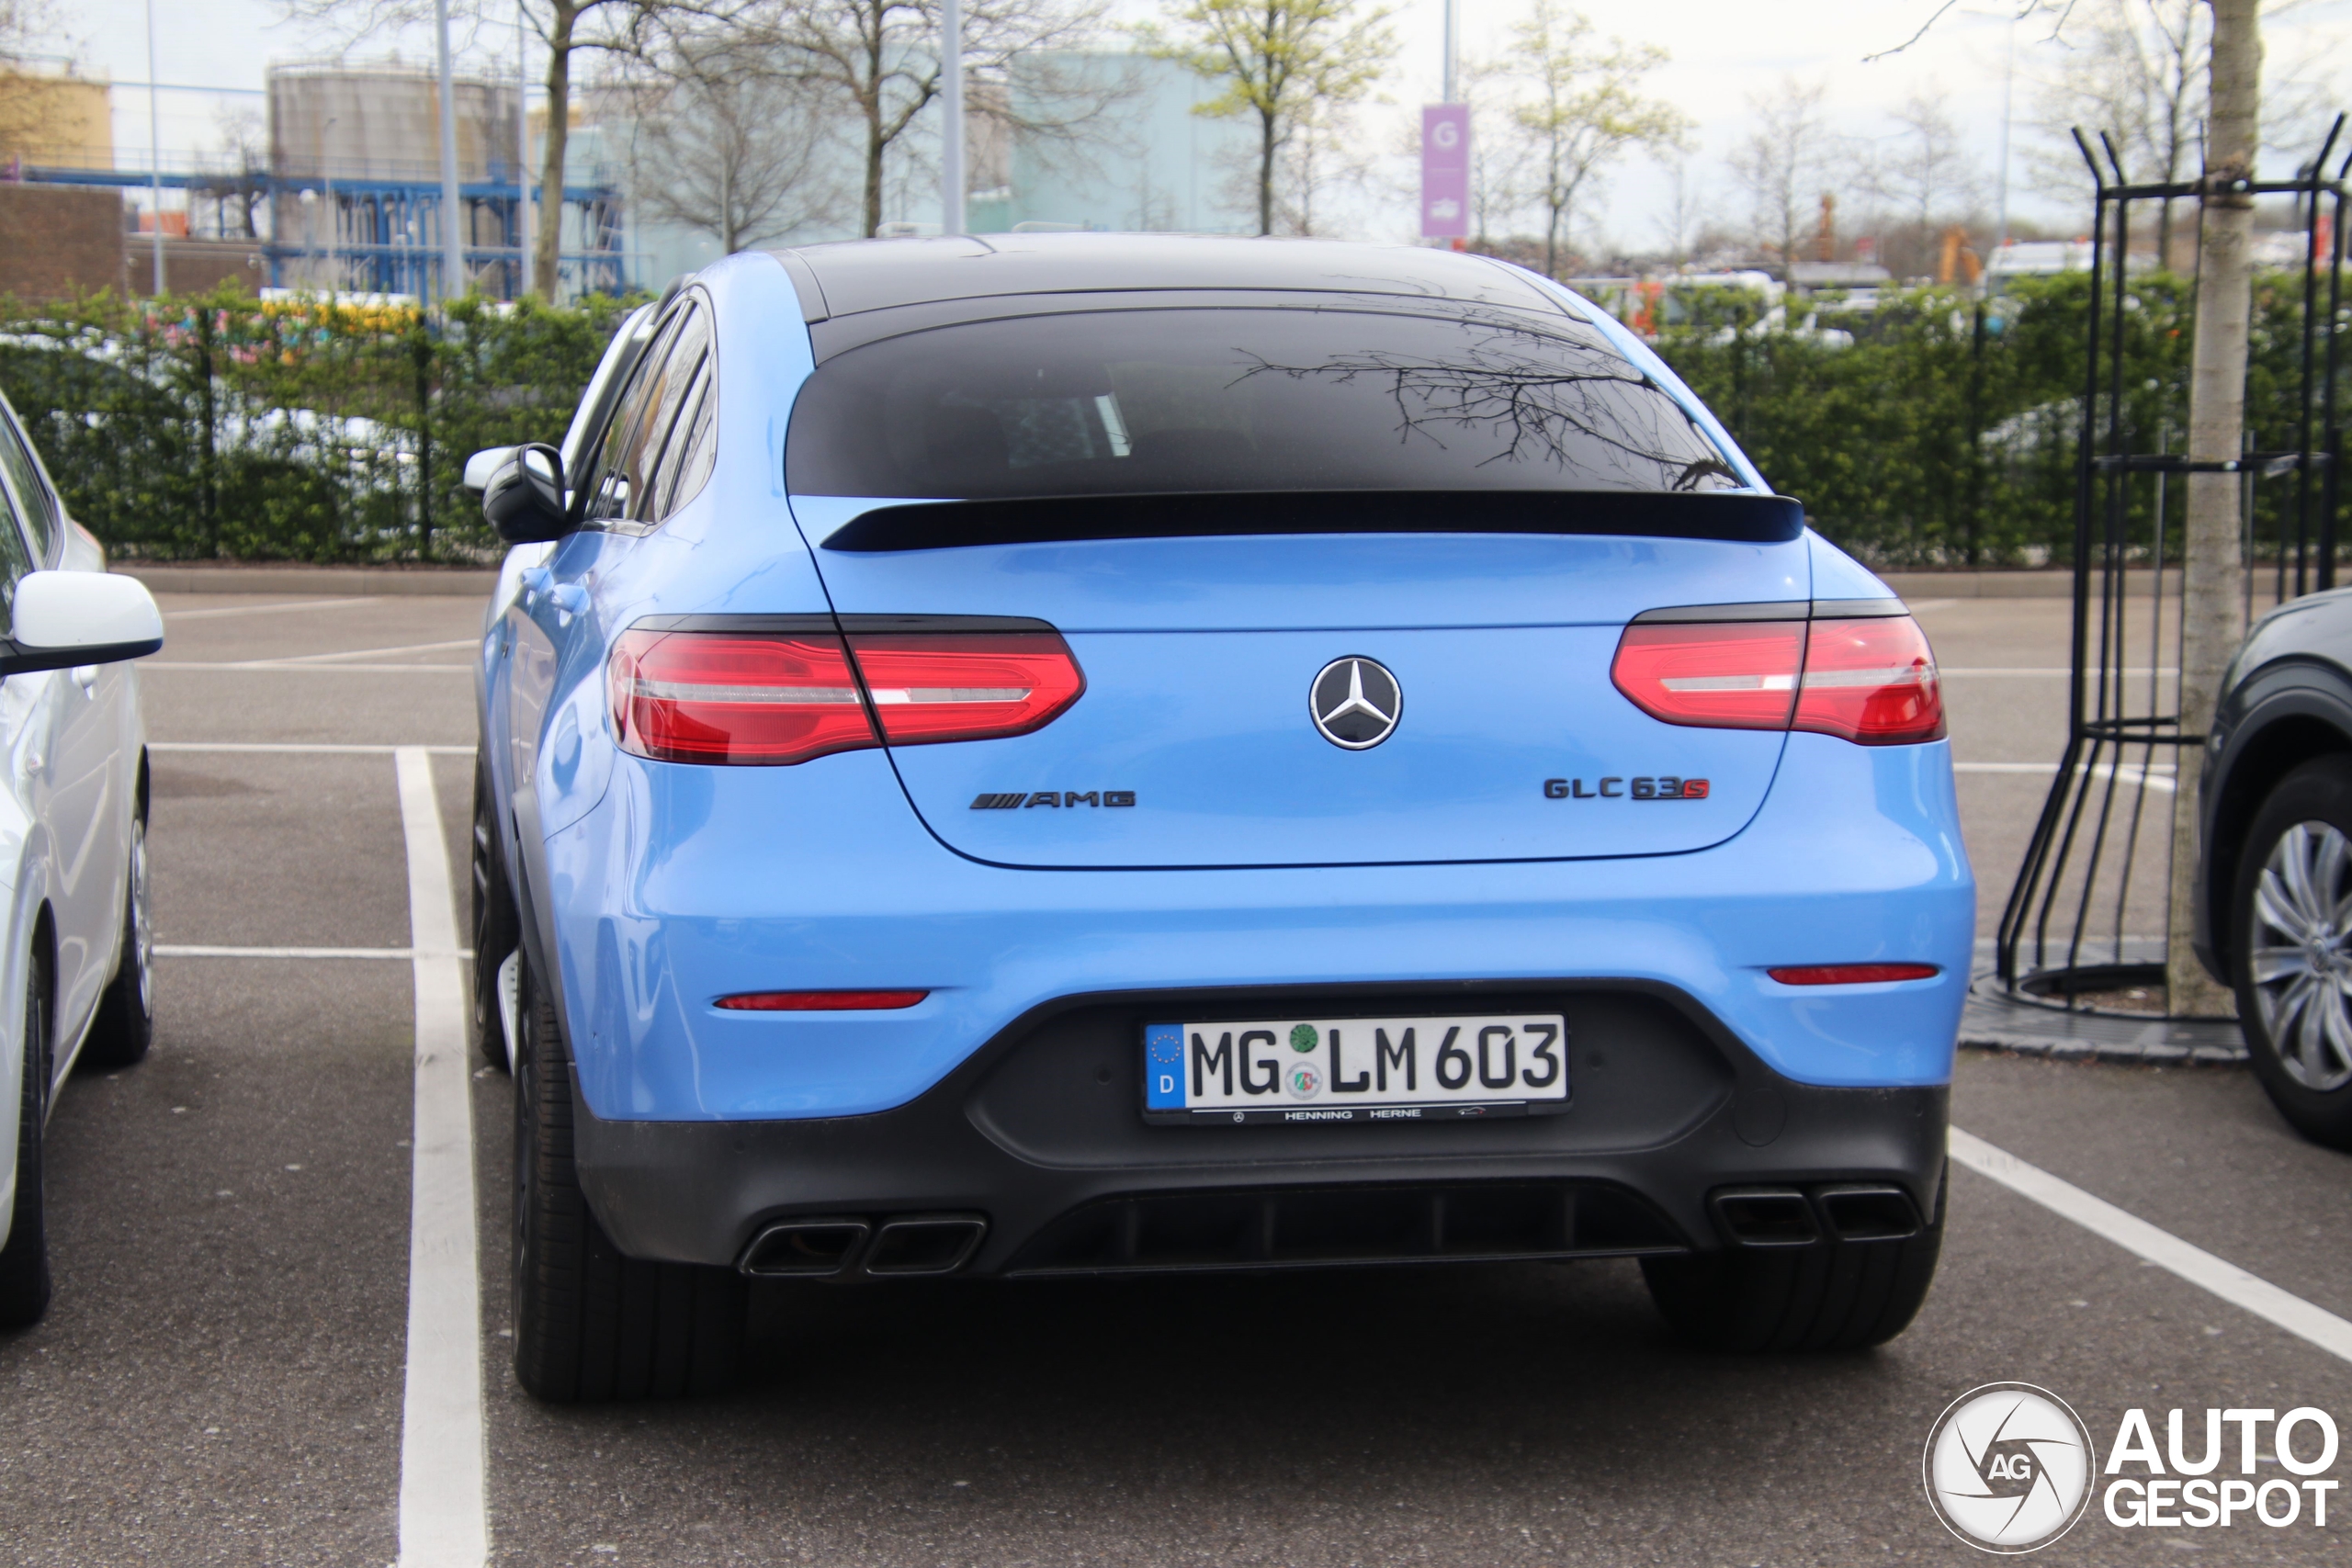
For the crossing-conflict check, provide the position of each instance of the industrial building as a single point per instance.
(347, 197)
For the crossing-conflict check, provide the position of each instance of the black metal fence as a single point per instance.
(2085, 916)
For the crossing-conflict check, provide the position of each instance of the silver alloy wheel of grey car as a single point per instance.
(2303, 954)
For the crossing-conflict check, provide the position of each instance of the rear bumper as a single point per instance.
(1037, 1134)
(686, 884)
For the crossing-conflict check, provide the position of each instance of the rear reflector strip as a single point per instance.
(819, 1001)
(1852, 974)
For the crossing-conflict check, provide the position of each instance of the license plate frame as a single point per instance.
(1361, 1069)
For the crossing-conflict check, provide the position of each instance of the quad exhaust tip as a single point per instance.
(793, 1249)
(842, 1245)
(925, 1244)
(1785, 1216)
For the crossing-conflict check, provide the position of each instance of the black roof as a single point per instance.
(857, 276)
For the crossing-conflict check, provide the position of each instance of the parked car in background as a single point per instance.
(2274, 887)
(76, 950)
(1074, 754)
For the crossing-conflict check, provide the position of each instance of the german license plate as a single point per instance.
(1355, 1069)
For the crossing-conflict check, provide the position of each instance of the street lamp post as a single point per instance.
(522, 153)
(453, 243)
(154, 148)
(951, 106)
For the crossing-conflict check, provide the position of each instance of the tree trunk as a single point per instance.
(547, 244)
(874, 147)
(2213, 571)
(1266, 143)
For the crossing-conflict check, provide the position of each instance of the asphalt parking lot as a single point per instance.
(222, 1376)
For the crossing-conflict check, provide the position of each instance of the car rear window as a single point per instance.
(1180, 401)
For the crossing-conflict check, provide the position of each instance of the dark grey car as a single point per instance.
(2274, 886)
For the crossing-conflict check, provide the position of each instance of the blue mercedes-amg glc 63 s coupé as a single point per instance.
(1083, 754)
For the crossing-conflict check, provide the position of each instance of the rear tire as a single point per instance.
(125, 1025)
(24, 1262)
(494, 923)
(2301, 837)
(1833, 1295)
(591, 1326)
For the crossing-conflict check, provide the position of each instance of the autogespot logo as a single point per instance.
(2008, 1467)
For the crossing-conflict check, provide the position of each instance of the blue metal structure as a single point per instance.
(401, 220)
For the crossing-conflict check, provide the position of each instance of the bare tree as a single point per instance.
(1502, 171)
(2135, 69)
(2139, 70)
(729, 147)
(1323, 155)
(1278, 61)
(1686, 203)
(243, 186)
(25, 26)
(618, 27)
(880, 60)
(1584, 110)
(1927, 171)
(1782, 161)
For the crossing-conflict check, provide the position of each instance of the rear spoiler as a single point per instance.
(1739, 516)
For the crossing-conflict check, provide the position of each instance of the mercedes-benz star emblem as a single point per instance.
(1355, 703)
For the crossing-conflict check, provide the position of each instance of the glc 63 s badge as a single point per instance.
(1649, 786)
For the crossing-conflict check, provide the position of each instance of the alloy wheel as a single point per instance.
(2301, 959)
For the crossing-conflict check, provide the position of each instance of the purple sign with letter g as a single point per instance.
(1445, 171)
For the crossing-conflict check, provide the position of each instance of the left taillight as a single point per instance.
(780, 698)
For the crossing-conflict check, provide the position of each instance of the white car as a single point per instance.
(77, 981)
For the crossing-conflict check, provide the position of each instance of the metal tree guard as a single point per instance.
(2063, 933)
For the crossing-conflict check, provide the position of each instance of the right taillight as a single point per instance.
(784, 697)
(1870, 680)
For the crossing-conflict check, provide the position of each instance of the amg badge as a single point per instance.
(1017, 801)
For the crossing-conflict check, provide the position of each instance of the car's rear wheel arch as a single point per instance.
(2254, 766)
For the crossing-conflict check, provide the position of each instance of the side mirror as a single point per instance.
(524, 499)
(482, 466)
(64, 618)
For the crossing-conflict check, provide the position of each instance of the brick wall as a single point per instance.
(54, 241)
(192, 266)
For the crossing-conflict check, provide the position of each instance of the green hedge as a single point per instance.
(1944, 431)
(1934, 429)
(217, 426)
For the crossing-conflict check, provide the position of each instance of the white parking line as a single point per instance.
(170, 950)
(2194, 1264)
(444, 1523)
(305, 748)
(262, 609)
(250, 664)
(2158, 778)
(376, 652)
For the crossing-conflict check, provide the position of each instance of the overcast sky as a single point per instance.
(1724, 52)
